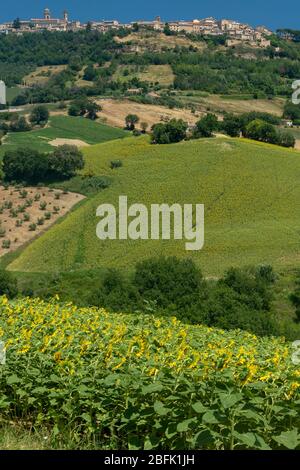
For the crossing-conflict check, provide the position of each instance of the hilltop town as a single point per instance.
(233, 30)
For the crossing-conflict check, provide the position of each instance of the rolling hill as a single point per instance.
(250, 190)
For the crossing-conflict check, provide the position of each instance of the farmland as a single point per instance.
(27, 212)
(100, 359)
(161, 74)
(114, 112)
(250, 191)
(62, 127)
(231, 103)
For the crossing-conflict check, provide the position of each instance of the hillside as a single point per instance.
(185, 379)
(250, 191)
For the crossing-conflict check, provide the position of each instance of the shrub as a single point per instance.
(206, 126)
(8, 284)
(65, 161)
(170, 132)
(116, 164)
(39, 115)
(169, 281)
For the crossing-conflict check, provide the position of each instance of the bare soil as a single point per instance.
(115, 111)
(19, 235)
(77, 142)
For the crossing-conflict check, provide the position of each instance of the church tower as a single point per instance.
(47, 14)
(66, 16)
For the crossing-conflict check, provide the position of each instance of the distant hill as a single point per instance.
(250, 190)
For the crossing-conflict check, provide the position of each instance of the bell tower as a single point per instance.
(66, 16)
(47, 15)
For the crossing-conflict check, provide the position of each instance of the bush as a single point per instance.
(206, 126)
(65, 161)
(170, 132)
(39, 115)
(116, 164)
(25, 165)
(8, 284)
(261, 131)
(169, 281)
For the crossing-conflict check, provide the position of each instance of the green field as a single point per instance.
(64, 127)
(250, 191)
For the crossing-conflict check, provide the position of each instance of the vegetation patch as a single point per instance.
(235, 382)
(250, 195)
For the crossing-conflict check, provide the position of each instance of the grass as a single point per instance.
(250, 191)
(231, 103)
(64, 127)
(162, 74)
(18, 438)
(12, 92)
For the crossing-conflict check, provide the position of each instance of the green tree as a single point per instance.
(25, 164)
(65, 161)
(169, 281)
(232, 125)
(167, 30)
(92, 109)
(286, 139)
(8, 284)
(17, 23)
(206, 125)
(170, 132)
(39, 115)
(88, 27)
(90, 73)
(262, 131)
(130, 121)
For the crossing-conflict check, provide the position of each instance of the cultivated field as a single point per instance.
(162, 74)
(27, 212)
(71, 130)
(115, 111)
(234, 104)
(100, 359)
(250, 191)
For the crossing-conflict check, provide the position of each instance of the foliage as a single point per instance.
(39, 115)
(206, 125)
(25, 164)
(65, 161)
(32, 166)
(130, 121)
(145, 382)
(8, 284)
(295, 299)
(169, 281)
(169, 132)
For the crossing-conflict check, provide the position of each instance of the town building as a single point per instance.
(39, 24)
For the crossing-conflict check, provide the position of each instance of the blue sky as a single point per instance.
(272, 13)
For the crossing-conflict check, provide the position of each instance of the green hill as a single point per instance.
(62, 127)
(250, 190)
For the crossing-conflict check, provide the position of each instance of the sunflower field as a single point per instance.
(124, 381)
